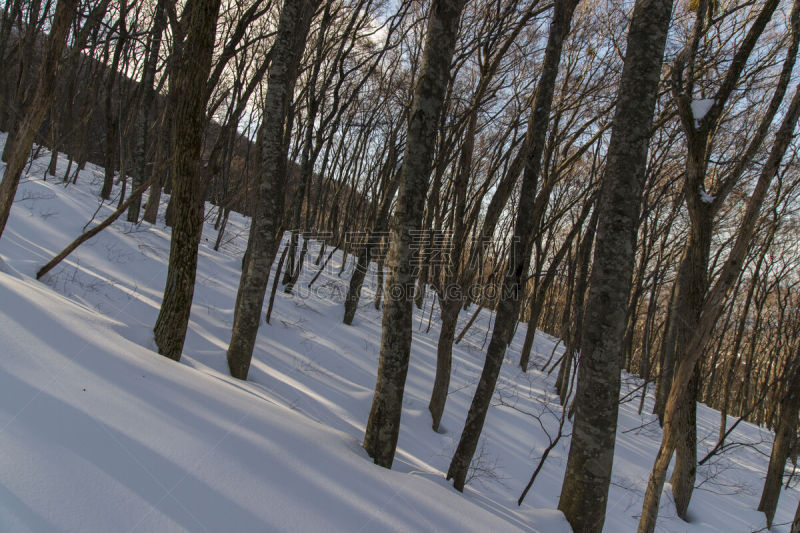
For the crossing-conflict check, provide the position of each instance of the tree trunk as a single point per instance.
(159, 169)
(585, 489)
(796, 521)
(293, 27)
(584, 258)
(691, 286)
(356, 282)
(145, 104)
(785, 431)
(519, 256)
(368, 250)
(444, 357)
(383, 426)
(712, 308)
(111, 123)
(379, 281)
(33, 110)
(188, 192)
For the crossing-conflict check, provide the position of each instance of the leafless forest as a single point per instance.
(621, 175)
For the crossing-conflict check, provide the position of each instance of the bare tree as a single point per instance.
(293, 27)
(188, 84)
(519, 257)
(383, 426)
(591, 455)
(674, 427)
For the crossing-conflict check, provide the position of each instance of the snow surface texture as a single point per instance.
(100, 433)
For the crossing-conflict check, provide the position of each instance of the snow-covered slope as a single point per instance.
(100, 433)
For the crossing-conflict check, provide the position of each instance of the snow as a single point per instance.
(700, 109)
(100, 433)
(705, 197)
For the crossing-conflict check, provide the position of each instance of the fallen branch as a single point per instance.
(95, 230)
(310, 283)
(469, 324)
(552, 444)
(721, 445)
(553, 441)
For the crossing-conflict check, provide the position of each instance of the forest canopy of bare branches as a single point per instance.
(620, 175)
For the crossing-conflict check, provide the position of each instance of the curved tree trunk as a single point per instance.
(690, 339)
(691, 286)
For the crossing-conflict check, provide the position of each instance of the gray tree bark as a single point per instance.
(584, 493)
(451, 295)
(290, 42)
(519, 257)
(785, 430)
(383, 426)
(576, 324)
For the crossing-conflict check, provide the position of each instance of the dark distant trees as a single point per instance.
(35, 104)
(145, 101)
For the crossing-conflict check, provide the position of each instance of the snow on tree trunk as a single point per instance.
(712, 308)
